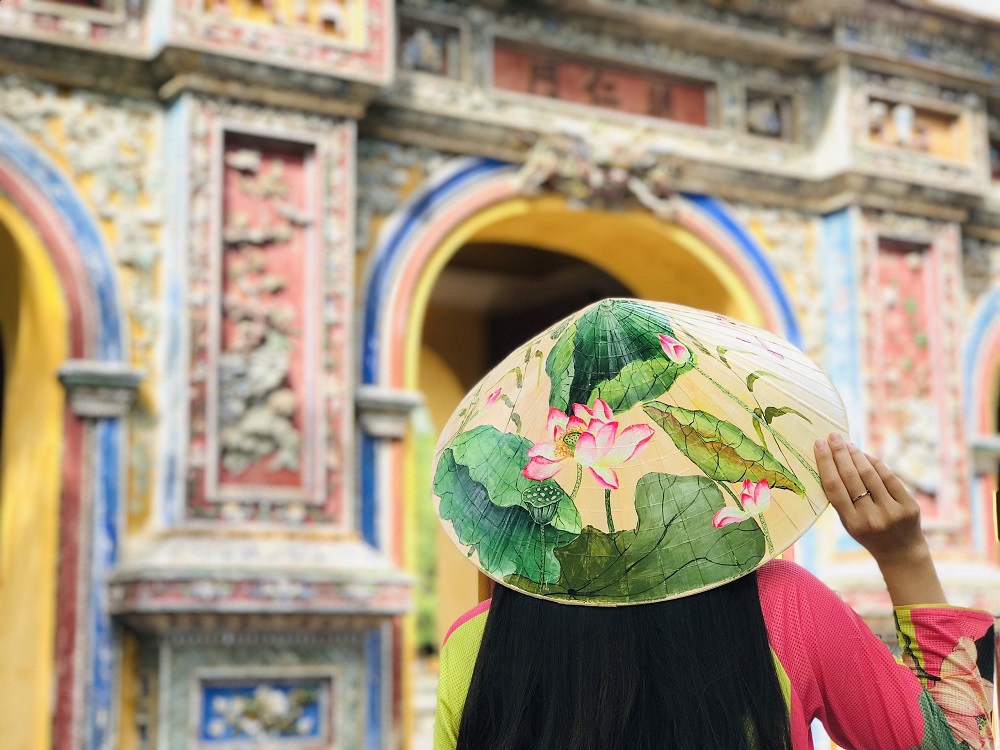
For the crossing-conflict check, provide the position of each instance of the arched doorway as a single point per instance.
(33, 331)
(703, 257)
(508, 280)
(981, 372)
(60, 474)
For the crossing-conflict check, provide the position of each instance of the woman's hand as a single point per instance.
(881, 515)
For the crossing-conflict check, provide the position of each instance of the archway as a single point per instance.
(981, 373)
(60, 301)
(33, 330)
(479, 201)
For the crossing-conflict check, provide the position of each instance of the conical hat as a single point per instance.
(635, 452)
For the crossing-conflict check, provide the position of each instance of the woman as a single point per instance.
(747, 664)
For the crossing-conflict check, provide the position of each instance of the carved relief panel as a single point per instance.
(114, 25)
(343, 38)
(911, 313)
(911, 130)
(578, 81)
(269, 279)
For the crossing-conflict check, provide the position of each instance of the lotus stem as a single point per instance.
(767, 533)
(542, 569)
(579, 479)
(607, 509)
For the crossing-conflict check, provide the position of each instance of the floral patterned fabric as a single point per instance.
(939, 696)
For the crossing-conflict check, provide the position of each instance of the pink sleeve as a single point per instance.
(843, 674)
(939, 696)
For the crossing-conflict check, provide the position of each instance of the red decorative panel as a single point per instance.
(597, 85)
(268, 317)
(913, 340)
(269, 284)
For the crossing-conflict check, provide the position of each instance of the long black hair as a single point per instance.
(694, 673)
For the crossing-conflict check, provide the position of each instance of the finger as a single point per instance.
(833, 485)
(847, 470)
(869, 476)
(893, 484)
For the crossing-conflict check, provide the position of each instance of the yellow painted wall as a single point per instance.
(33, 324)
(457, 578)
(655, 259)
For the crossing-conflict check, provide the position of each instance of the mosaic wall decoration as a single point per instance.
(349, 38)
(791, 240)
(911, 308)
(606, 86)
(108, 146)
(770, 115)
(280, 713)
(901, 125)
(429, 47)
(302, 690)
(329, 17)
(912, 130)
(111, 25)
(269, 279)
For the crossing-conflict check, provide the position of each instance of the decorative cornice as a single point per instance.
(195, 572)
(385, 412)
(100, 390)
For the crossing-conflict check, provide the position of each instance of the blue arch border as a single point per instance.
(415, 215)
(986, 316)
(984, 320)
(35, 168)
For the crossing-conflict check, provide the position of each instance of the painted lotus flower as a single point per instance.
(590, 438)
(674, 349)
(755, 497)
(964, 698)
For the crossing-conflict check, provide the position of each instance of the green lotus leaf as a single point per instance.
(506, 539)
(674, 548)
(720, 448)
(560, 368)
(613, 352)
(496, 460)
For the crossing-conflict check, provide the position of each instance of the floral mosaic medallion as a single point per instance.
(636, 452)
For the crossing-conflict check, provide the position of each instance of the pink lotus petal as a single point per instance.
(543, 450)
(541, 469)
(607, 435)
(602, 411)
(727, 516)
(630, 442)
(557, 420)
(674, 349)
(586, 449)
(763, 500)
(581, 411)
(575, 423)
(605, 476)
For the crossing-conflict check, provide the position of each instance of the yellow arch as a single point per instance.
(33, 325)
(654, 259)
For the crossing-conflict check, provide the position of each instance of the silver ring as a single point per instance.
(863, 494)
